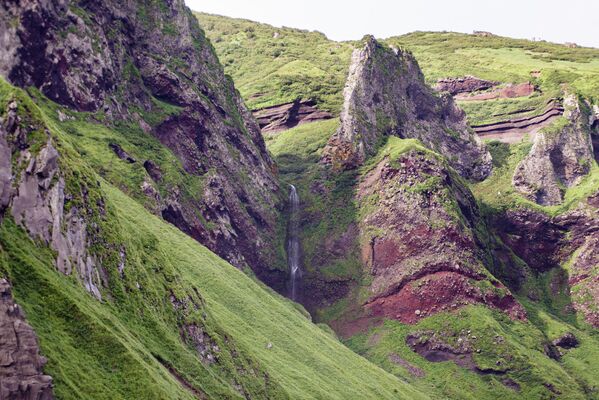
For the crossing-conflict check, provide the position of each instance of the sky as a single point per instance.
(556, 21)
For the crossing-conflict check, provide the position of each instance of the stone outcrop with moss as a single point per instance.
(385, 95)
(561, 156)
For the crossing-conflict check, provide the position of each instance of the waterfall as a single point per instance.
(293, 244)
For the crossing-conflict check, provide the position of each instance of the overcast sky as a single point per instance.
(552, 20)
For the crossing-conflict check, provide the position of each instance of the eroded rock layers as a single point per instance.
(419, 241)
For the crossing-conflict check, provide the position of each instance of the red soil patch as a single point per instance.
(440, 291)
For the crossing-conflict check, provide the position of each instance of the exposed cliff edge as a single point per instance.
(514, 129)
(21, 375)
(545, 243)
(560, 156)
(385, 95)
(464, 84)
(151, 63)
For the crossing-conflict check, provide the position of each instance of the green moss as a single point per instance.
(494, 338)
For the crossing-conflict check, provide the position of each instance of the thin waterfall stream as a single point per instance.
(293, 244)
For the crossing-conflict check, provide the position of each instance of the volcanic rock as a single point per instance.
(118, 58)
(418, 242)
(285, 116)
(560, 157)
(465, 84)
(21, 365)
(385, 95)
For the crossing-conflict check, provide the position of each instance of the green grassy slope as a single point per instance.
(277, 65)
(329, 207)
(297, 151)
(130, 345)
(273, 65)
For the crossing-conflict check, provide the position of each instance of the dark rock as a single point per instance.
(21, 365)
(385, 94)
(153, 170)
(567, 341)
(110, 57)
(122, 154)
(434, 348)
(465, 84)
(552, 351)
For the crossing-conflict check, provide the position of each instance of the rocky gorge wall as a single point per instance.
(131, 62)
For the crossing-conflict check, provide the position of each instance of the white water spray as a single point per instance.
(293, 244)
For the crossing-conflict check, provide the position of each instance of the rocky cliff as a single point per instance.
(419, 241)
(560, 156)
(547, 243)
(131, 62)
(385, 95)
(51, 203)
(21, 375)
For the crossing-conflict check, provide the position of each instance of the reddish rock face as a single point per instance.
(419, 246)
(545, 243)
(507, 92)
(441, 291)
(285, 116)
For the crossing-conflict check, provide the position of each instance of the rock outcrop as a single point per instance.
(560, 156)
(133, 59)
(509, 91)
(38, 199)
(285, 116)
(419, 243)
(385, 95)
(545, 243)
(464, 84)
(21, 365)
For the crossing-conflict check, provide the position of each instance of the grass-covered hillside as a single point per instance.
(507, 359)
(175, 321)
(273, 65)
(512, 351)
